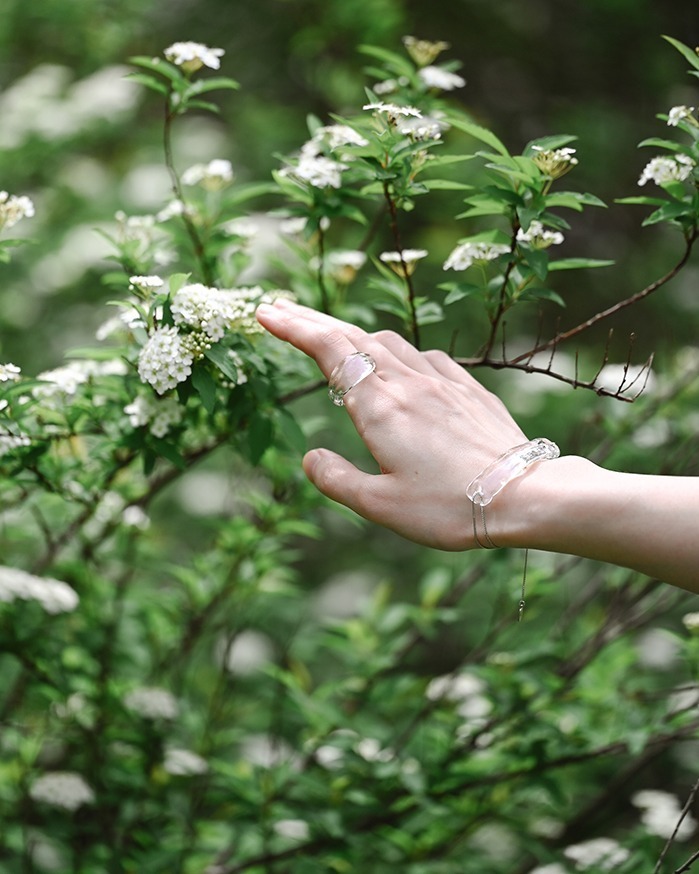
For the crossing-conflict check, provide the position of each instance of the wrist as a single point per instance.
(543, 507)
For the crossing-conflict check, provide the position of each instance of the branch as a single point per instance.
(414, 327)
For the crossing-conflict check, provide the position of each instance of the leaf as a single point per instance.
(459, 290)
(660, 143)
(538, 260)
(148, 82)
(395, 62)
(555, 141)
(259, 436)
(157, 65)
(216, 83)
(578, 263)
(669, 212)
(177, 280)
(218, 354)
(445, 185)
(205, 386)
(642, 200)
(573, 200)
(684, 50)
(479, 133)
(537, 292)
(290, 430)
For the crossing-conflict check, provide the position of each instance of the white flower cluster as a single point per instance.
(158, 415)
(9, 372)
(466, 254)
(661, 812)
(443, 80)
(602, 854)
(145, 284)
(152, 702)
(192, 56)
(184, 763)
(691, 621)
(14, 208)
(408, 257)
(538, 236)
(466, 690)
(65, 381)
(128, 319)
(316, 170)
(333, 136)
(429, 127)
(9, 441)
(55, 596)
(216, 310)
(393, 112)
(681, 113)
(663, 170)
(166, 359)
(554, 162)
(64, 789)
(293, 829)
(214, 176)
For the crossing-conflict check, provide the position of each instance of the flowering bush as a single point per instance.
(174, 700)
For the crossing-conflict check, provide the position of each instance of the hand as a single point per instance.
(430, 426)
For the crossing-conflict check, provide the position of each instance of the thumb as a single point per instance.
(339, 480)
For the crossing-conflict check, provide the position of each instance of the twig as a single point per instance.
(671, 839)
(414, 326)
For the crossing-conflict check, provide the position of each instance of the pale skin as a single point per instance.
(432, 427)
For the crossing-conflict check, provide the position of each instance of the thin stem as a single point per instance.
(414, 326)
(197, 244)
(324, 301)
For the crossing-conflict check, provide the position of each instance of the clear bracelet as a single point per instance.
(493, 479)
(508, 466)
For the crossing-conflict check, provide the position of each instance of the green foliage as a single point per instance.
(164, 659)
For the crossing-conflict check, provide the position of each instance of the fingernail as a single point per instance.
(267, 314)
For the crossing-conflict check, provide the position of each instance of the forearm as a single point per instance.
(570, 505)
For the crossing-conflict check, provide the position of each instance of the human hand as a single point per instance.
(430, 426)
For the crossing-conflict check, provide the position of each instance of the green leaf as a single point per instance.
(218, 354)
(148, 82)
(479, 133)
(573, 200)
(445, 185)
(538, 260)
(216, 83)
(259, 436)
(578, 263)
(660, 143)
(157, 65)
(537, 292)
(205, 386)
(459, 290)
(555, 141)
(669, 212)
(290, 430)
(395, 62)
(642, 200)
(689, 54)
(177, 280)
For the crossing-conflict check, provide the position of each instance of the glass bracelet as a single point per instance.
(508, 466)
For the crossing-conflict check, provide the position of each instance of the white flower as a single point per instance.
(173, 209)
(135, 517)
(159, 414)
(14, 208)
(466, 254)
(145, 284)
(293, 226)
(166, 359)
(152, 702)
(295, 829)
(554, 162)
(407, 257)
(661, 813)
(428, 128)
(436, 77)
(538, 236)
(604, 854)
(9, 372)
(318, 171)
(371, 750)
(192, 56)
(62, 789)
(214, 176)
(691, 621)
(9, 441)
(353, 258)
(184, 763)
(392, 111)
(247, 653)
(217, 310)
(336, 135)
(663, 170)
(242, 227)
(680, 113)
(55, 596)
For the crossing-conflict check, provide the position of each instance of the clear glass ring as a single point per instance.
(348, 373)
